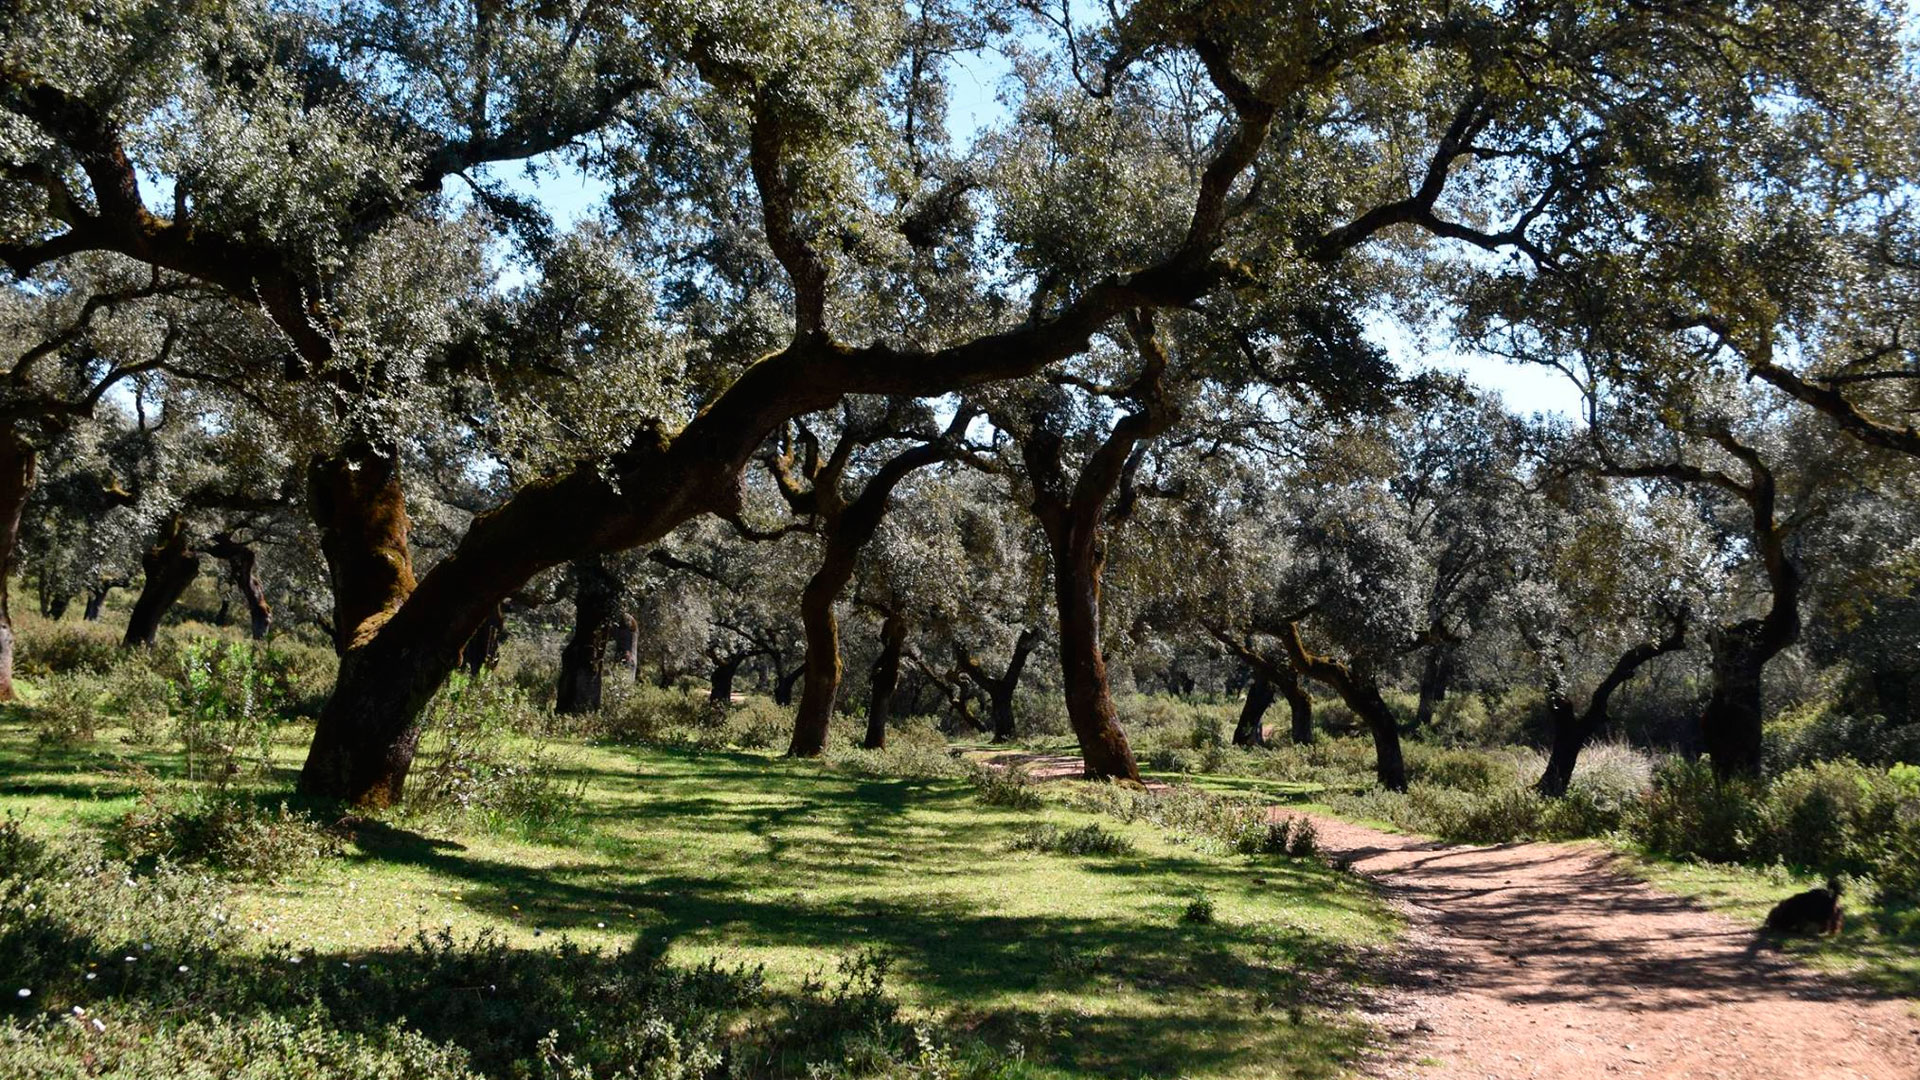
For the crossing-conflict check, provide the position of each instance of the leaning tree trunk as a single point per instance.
(170, 565)
(1357, 687)
(17, 459)
(1572, 731)
(1249, 731)
(886, 678)
(595, 601)
(96, 599)
(1000, 693)
(243, 571)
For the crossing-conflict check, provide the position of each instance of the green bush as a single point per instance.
(650, 714)
(1088, 839)
(1010, 788)
(231, 695)
(144, 698)
(67, 714)
(470, 765)
(1199, 910)
(223, 829)
(1689, 814)
(66, 648)
(1819, 732)
(138, 1046)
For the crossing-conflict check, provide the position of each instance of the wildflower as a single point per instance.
(183, 969)
(24, 992)
(97, 1025)
(601, 925)
(78, 1011)
(91, 976)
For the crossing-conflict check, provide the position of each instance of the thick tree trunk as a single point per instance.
(582, 662)
(1731, 723)
(96, 598)
(820, 685)
(720, 685)
(1083, 667)
(1249, 731)
(1299, 705)
(17, 459)
(783, 686)
(170, 565)
(1434, 676)
(361, 511)
(626, 647)
(886, 678)
(57, 609)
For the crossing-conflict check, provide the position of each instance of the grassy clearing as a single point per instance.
(1085, 961)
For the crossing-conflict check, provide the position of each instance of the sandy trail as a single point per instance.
(1546, 960)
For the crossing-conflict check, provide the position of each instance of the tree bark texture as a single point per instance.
(1250, 731)
(582, 662)
(17, 461)
(243, 572)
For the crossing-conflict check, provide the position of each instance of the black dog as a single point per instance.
(1816, 911)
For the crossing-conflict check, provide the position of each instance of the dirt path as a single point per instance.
(1545, 960)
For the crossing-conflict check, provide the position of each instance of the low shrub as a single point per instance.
(1088, 839)
(231, 695)
(1010, 788)
(652, 714)
(144, 698)
(67, 648)
(222, 829)
(67, 714)
(470, 765)
(1198, 910)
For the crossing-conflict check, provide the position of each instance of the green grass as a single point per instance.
(1083, 960)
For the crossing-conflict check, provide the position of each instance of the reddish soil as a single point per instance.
(1547, 960)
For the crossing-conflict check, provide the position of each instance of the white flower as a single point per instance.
(183, 969)
(24, 992)
(97, 1025)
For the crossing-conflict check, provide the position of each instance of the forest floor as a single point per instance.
(1553, 960)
